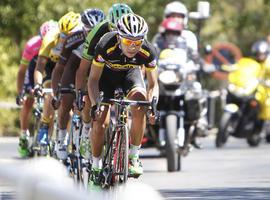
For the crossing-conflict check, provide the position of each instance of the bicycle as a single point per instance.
(115, 160)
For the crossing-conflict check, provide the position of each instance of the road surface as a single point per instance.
(236, 171)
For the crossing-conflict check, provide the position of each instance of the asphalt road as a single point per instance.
(235, 172)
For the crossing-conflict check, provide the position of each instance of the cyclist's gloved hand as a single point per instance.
(79, 100)
(153, 118)
(95, 112)
(19, 99)
(153, 114)
(55, 103)
(38, 90)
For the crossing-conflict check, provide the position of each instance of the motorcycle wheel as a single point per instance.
(267, 137)
(223, 131)
(172, 154)
(254, 140)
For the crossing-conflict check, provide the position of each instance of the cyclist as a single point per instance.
(49, 52)
(25, 83)
(178, 11)
(66, 67)
(114, 14)
(117, 62)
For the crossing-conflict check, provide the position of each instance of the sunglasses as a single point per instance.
(129, 42)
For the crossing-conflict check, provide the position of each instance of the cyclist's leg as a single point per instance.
(85, 147)
(48, 112)
(47, 117)
(85, 113)
(25, 113)
(68, 79)
(29, 101)
(135, 89)
(97, 137)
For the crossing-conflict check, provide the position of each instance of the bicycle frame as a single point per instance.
(115, 161)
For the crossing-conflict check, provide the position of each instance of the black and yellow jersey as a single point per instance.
(93, 38)
(109, 53)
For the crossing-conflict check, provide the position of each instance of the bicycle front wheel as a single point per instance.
(121, 154)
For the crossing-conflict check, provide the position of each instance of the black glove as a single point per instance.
(38, 90)
(55, 103)
(19, 99)
(79, 100)
(93, 112)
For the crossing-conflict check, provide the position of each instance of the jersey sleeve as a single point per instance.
(151, 54)
(99, 55)
(31, 49)
(93, 38)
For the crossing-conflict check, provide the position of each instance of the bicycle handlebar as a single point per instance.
(125, 102)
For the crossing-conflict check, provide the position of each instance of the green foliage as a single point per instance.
(241, 22)
(8, 69)
(10, 125)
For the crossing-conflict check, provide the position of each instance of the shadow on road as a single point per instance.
(218, 194)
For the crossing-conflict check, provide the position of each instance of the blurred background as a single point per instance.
(239, 22)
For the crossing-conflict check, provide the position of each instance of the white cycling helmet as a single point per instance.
(132, 25)
(91, 17)
(176, 7)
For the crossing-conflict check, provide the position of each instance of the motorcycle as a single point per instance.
(182, 106)
(241, 112)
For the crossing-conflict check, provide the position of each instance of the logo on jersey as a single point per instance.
(99, 58)
(75, 38)
(153, 63)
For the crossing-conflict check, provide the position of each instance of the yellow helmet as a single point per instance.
(67, 22)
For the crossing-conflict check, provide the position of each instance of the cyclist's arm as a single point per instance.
(39, 69)
(93, 83)
(56, 75)
(153, 89)
(81, 74)
(20, 77)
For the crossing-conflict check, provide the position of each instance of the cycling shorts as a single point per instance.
(126, 80)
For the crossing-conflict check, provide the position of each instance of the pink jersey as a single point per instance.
(31, 49)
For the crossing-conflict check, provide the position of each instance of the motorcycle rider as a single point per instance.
(173, 33)
(260, 51)
(177, 11)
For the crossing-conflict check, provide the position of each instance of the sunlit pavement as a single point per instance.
(236, 171)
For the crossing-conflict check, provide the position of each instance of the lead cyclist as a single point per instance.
(89, 46)
(118, 60)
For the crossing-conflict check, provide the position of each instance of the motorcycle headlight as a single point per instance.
(168, 77)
